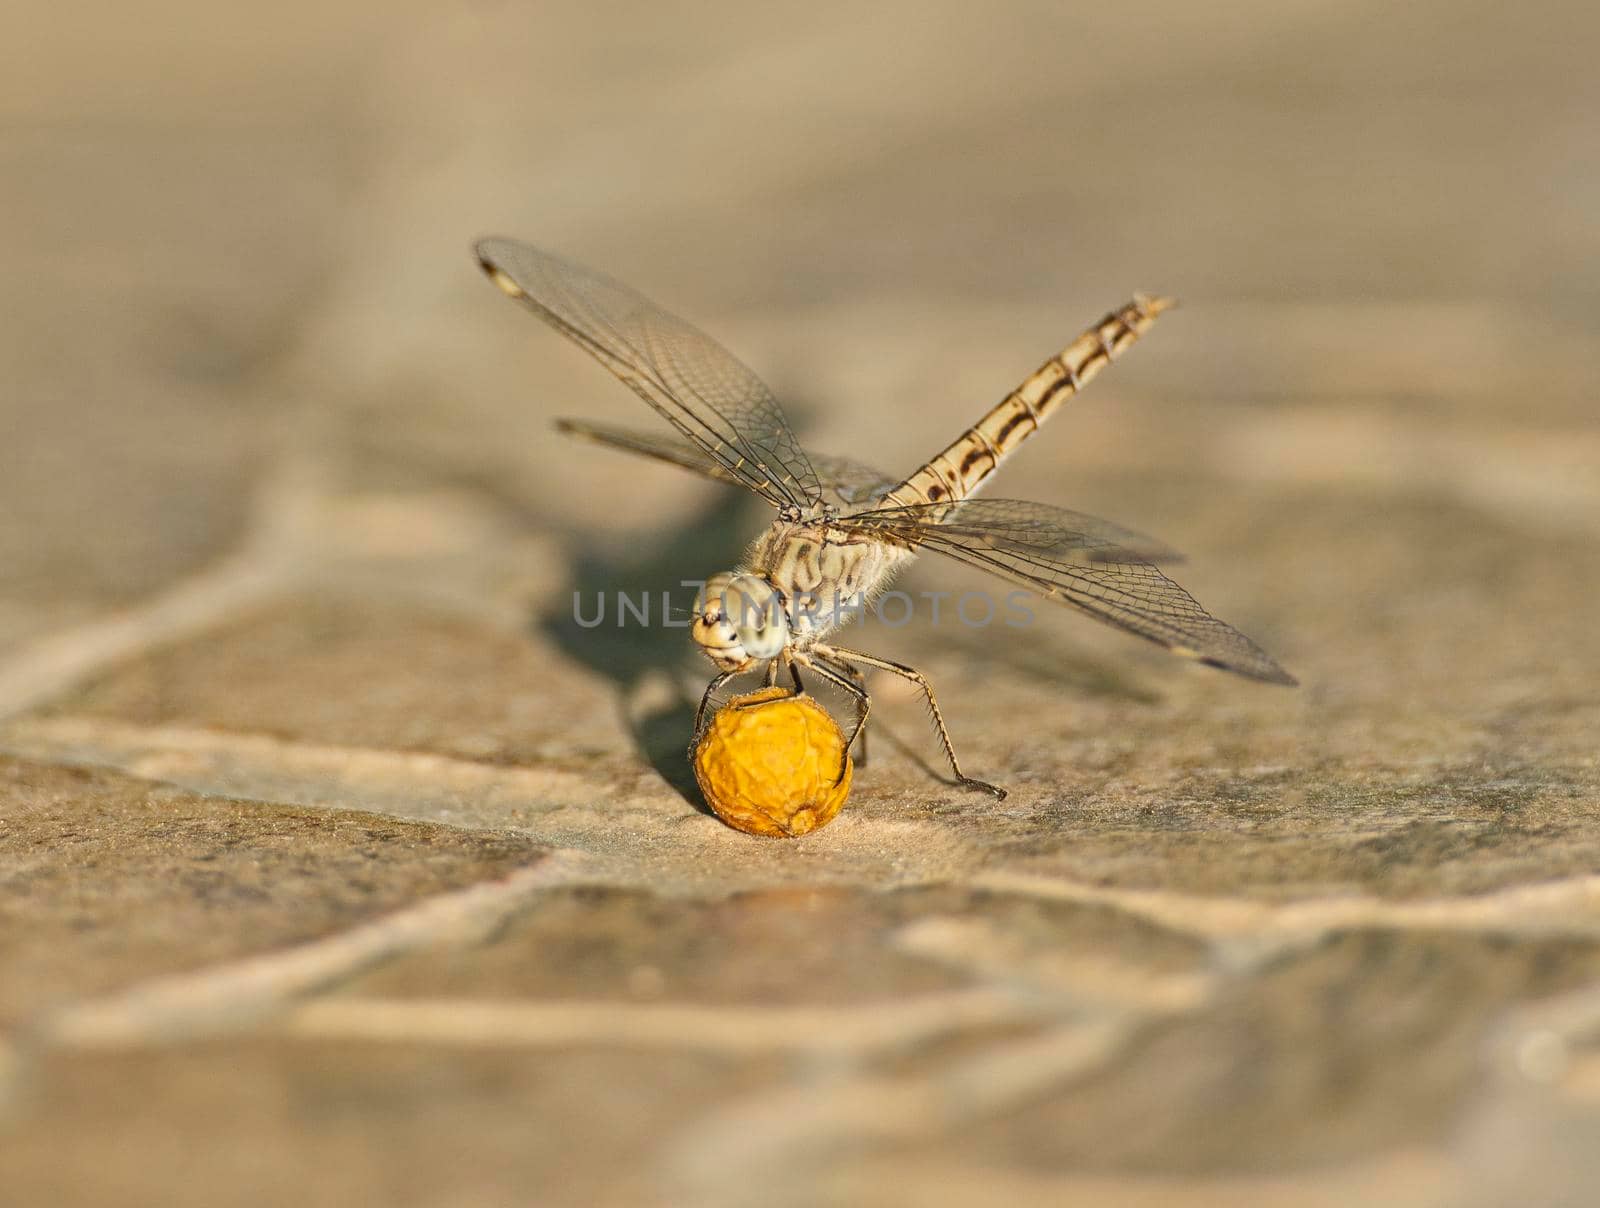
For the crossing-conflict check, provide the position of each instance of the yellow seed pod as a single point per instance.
(768, 764)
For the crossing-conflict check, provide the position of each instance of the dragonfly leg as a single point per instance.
(921, 681)
(860, 690)
(793, 664)
(700, 713)
(848, 683)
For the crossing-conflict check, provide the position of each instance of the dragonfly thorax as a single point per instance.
(740, 619)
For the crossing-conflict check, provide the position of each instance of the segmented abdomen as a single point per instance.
(961, 469)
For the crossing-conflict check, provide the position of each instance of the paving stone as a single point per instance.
(111, 880)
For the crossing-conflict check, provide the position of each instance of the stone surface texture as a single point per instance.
(339, 864)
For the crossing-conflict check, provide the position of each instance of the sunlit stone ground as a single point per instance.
(339, 865)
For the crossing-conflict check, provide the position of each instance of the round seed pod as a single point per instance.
(768, 764)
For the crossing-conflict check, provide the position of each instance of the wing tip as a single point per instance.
(1274, 674)
(487, 252)
(578, 429)
(1155, 554)
(1263, 668)
(483, 251)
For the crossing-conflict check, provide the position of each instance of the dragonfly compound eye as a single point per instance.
(708, 604)
(755, 608)
(738, 620)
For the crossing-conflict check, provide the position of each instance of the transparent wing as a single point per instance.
(850, 482)
(1024, 527)
(1123, 590)
(698, 386)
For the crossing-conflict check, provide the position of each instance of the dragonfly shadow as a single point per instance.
(1023, 653)
(626, 619)
(1054, 665)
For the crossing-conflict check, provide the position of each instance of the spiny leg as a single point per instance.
(711, 689)
(860, 682)
(863, 701)
(921, 681)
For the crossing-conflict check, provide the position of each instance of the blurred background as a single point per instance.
(241, 332)
(227, 229)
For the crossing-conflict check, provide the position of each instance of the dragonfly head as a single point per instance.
(740, 620)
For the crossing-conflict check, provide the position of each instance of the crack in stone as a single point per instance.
(857, 1031)
(268, 562)
(240, 994)
(1247, 931)
(783, 1133)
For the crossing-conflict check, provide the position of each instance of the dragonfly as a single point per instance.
(843, 530)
